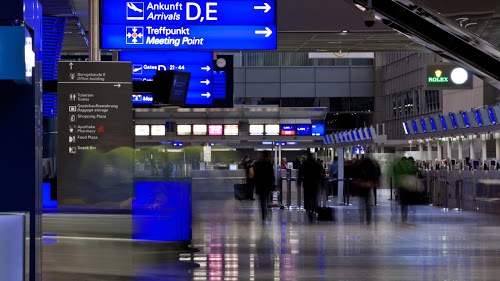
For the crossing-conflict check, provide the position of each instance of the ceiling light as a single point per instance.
(335, 42)
(345, 31)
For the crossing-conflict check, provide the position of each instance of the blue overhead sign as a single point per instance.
(200, 25)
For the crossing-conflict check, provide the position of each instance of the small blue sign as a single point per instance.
(142, 99)
(318, 129)
(303, 130)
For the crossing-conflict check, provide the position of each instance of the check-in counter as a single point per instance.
(216, 184)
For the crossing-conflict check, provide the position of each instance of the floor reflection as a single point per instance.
(233, 244)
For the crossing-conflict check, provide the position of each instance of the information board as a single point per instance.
(211, 83)
(95, 136)
(189, 25)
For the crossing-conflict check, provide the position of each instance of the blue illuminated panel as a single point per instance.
(352, 136)
(200, 25)
(414, 125)
(47, 202)
(443, 123)
(318, 129)
(358, 136)
(453, 120)
(405, 127)
(208, 85)
(303, 130)
(493, 118)
(424, 126)
(364, 134)
(369, 133)
(466, 119)
(343, 137)
(162, 211)
(433, 124)
(479, 118)
(142, 99)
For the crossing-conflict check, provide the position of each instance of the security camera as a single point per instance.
(369, 17)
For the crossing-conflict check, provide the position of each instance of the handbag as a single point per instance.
(411, 183)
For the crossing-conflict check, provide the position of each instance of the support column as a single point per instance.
(382, 148)
(95, 51)
(497, 148)
(484, 151)
(448, 149)
(471, 149)
(460, 150)
(279, 156)
(340, 176)
(439, 150)
(429, 150)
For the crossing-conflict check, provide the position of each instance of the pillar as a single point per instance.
(497, 148)
(439, 150)
(448, 149)
(429, 150)
(460, 149)
(484, 150)
(382, 148)
(95, 51)
(472, 154)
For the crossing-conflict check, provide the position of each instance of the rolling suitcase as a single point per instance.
(325, 213)
(240, 191)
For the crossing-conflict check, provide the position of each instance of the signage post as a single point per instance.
(95, 136)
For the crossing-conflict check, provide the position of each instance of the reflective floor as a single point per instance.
(234, 244)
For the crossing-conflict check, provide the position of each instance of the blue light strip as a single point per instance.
(443, 123)
(479, 118)
(493, 118)
(466, 119)
(433, 124)
(453, 120)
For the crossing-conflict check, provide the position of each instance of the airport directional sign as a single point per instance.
(189, 25)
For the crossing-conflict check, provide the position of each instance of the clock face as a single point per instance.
(221, 63)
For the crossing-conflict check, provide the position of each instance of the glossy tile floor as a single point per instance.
(235, 245)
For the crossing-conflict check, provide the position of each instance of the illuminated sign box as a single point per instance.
(287, 130)
(318, 129)
(231, 130)
(157, 130)
(256, 130)
(272, 130)
(303, 130)
(448, 76)
(18, 57)
(215, 130)
(183, 130)
(142, 130)
(199, 130)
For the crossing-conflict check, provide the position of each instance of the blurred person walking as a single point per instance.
(264, 180)
(310, 175)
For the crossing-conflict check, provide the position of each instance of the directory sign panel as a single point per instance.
(272, 129)
(256, 130)
(318, 129)
(95, 125)
(200, 130)
(186, 25)
(211, 83)
(183, 130)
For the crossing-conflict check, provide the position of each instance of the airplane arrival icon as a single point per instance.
(135, 10)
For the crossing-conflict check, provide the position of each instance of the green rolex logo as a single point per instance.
(437, 78)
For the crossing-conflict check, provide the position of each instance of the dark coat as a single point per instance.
(263, 176)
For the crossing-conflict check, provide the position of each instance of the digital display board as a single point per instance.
(318, 129)
(303, 130)
(157, 130)
(215, 130)
(142, 130)
(183, 130)
(272, 130)
(200, 130)
(256, 130)
(211, 81)
(200, 25)
(231, 130)
(287, 130)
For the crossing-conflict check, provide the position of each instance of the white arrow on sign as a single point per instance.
(206, 82)
(207, 95)
(266, 32)
(71, 66)
(206, 68)
(266, 7)
(118, 85)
